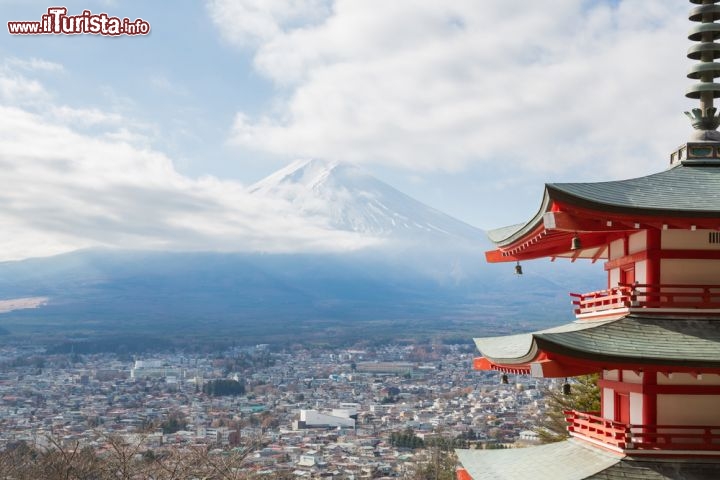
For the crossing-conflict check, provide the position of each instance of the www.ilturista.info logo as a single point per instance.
(58, 22)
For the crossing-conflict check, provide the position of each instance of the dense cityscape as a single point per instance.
(310, 413)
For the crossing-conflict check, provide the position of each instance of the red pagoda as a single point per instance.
(653, 334)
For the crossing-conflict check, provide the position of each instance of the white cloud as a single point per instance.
(551, 86)
(62, 189)
(16, 88)
(251, 21)
(34, 64)
(85, 116)
(20, 88)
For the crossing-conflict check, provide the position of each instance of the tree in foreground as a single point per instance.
(122, 460)
(583, 395)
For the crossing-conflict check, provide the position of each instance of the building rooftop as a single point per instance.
(679, 191)
(685, 191)
(637, 339)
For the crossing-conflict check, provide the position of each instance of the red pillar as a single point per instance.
(653, 257)
(649, 403)
(652, 265)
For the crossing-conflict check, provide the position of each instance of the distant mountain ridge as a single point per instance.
(439, 286)
(279, 298)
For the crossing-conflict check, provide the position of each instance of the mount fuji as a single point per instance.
(425, 277)
(345, 197)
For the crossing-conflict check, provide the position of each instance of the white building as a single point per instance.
(339, 418)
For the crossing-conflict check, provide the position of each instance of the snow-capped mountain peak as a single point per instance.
(307, 173)
(347, 197)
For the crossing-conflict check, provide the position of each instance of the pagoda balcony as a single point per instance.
(642, 439)
(646, 298)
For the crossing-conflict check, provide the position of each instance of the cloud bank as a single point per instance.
(549, 88)
(425, 85)
(62, 188)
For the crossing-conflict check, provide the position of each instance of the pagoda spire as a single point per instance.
(706, 90)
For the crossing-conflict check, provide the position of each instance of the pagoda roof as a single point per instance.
(574, 460)
(568, 460)
(685, 191)
(632, 339)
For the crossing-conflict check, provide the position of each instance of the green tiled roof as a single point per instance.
(684, 190)
(668, 341)
(522, 347)
(660, 470)
(634, 338)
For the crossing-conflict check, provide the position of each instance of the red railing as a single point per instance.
(591, 426)
(640, 295)
(643, 437)
(676, 296)
(617, 297)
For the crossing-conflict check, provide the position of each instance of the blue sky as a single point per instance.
(148, 141)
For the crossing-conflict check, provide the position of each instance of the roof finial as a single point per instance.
(706, 90)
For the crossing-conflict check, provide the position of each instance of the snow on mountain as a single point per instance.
(347, 198)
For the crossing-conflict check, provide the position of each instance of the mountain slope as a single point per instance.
(348, 198)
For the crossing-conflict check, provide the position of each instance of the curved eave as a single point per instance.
(544, 242)
(517, 237)
(680, 197)
(512, 350)
(523, 348)
(534, 239)
(636, 340)
(505, 236)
